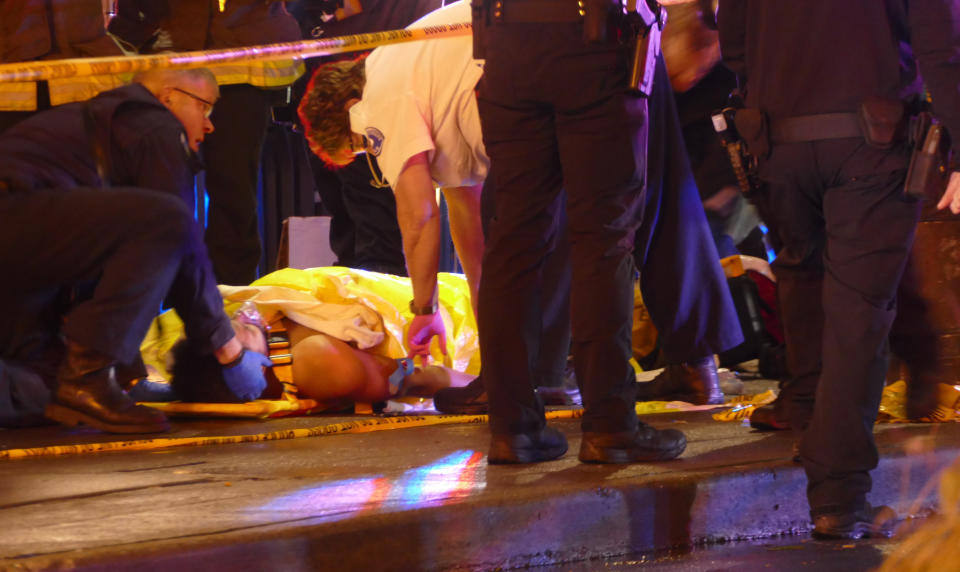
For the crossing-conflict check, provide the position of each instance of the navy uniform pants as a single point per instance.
(680, 275)
(232, 156)
(846, 230)
(556, 117)
(364, 232)
(136, 246)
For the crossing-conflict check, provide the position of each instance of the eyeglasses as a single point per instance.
(207, 105)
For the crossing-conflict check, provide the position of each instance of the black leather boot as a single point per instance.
(88, 393)
(694, 382)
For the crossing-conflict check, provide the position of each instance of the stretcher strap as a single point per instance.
(281, 354)
(75, 67)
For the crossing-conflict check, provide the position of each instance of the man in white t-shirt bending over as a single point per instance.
(413, 107)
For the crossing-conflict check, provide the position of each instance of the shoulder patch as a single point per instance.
(374, 141)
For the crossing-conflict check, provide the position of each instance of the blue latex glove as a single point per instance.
(245, 376)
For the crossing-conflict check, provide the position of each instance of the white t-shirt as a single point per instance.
(420, 96)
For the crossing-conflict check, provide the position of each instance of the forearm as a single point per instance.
(467, 233)
(421, 247)
(419, 218)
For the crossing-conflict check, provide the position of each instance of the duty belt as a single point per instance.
(815, 127)
(537, 11)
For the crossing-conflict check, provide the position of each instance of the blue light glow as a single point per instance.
(446, 480)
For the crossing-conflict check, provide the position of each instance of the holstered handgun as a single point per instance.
(644, 20)
(926, 176)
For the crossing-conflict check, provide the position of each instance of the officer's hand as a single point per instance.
(951, 197)
(245, 377)
(421, 333)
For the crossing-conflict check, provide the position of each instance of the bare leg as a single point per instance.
(326, 369)
(426, 381)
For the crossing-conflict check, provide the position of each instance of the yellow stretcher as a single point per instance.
(377, 309)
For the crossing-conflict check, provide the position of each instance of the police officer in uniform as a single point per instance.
(86, 267)
(825, 84)
(249, 90)
(557, 116)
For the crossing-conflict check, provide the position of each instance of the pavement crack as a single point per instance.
(105, 493)
(142, 469)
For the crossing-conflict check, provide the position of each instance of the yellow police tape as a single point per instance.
(59, 69)
(358, 426)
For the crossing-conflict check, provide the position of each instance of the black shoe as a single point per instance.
(88, 393)
(767, 418)
(559, 396)
(644, 444)
(471, 399)
(694, 382)
(868, 522)
(544, 445)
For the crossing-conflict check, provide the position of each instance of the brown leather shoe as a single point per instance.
(768, 418)
(88, 393)
(644, 444)
(543, 445)
(694, 382)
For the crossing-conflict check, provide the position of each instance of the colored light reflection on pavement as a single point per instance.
(444, 481)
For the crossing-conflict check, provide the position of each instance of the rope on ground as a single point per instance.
(76, 67)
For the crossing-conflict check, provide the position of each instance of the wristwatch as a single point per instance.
(423, 310)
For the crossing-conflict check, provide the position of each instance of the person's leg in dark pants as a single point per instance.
(869, 226)
(915, 336)
(372, 210)
(520, 237)
(846, 231)
(549, 350)
(793, 198)
(232, 157)
(194, 295)
(129, 241)
(542, 136)
(343, 234)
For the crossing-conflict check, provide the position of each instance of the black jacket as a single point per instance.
(147, 146)
(824, 56)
